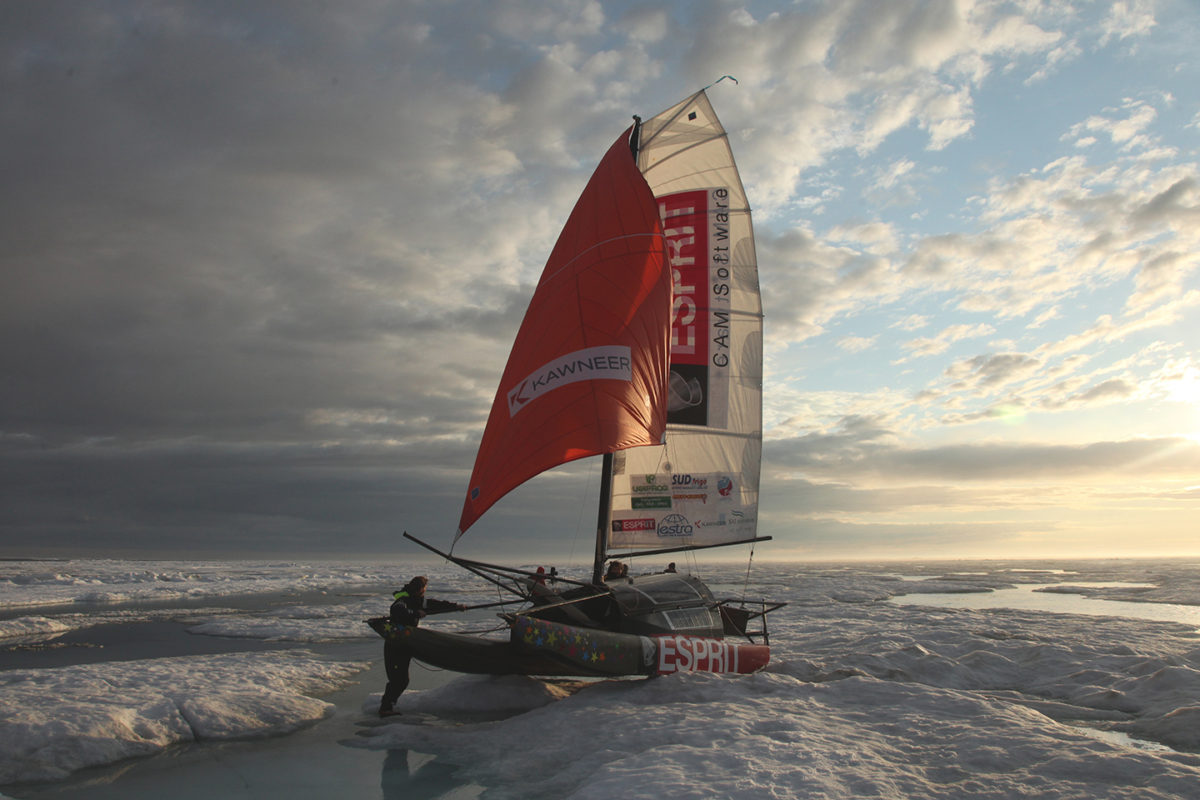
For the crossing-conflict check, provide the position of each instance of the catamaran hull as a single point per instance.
(538, 647)
(470, 654)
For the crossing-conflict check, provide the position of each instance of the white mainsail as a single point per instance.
(700, 487)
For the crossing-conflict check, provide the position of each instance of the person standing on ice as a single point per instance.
(409, 606)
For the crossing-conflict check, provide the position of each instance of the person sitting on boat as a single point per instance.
(615, 571)
(539, 592)
(670, 567)
(409, 606)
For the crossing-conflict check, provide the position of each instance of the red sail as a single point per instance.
(588, 371)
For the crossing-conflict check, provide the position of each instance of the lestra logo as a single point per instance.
(675, 525)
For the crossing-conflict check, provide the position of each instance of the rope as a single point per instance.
(584, 505)
(478, 631)
(749, 563)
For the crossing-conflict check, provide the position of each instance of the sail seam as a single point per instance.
(750, 314)
(577, 256)
(680, 428)
(664, 160)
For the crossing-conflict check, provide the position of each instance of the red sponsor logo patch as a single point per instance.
(685, 225)
(697, 654)
(633, 525)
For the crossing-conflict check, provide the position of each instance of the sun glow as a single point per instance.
(1184, 387)
(1187, 388)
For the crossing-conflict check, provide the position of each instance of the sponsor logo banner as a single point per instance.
(610, 362)
(675, 525)
(689, 481)
(650, 502)
(696, 226)
(624, 525)
(691, 489)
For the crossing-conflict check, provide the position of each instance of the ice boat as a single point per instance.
(642, 344)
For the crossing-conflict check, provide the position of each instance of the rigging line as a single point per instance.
(479, 631)
(746, 583)
(584, 505)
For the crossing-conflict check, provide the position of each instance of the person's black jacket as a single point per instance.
(407, 608)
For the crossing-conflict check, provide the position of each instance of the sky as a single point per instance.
(261, 264)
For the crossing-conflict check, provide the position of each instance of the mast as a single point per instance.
(604, 516)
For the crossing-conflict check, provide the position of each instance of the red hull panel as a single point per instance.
(694, 654)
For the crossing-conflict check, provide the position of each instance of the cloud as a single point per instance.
(1016, 386)
(1128, 18)
(1178, 380)
(218, 499)
(872, 455)
(912, 322)
(986, 374)
(856, 344)
(1112, 389)
(830, 76)
(1127, 130)
(646, 24)
(826, 281)
(893, 173)
(261, 268)
(260, 223)
(1170, 206)
(1045, 316)
(942, 342)
(1106, 329)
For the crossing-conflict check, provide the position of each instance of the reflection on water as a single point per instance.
(1027, 598)
(409, 775)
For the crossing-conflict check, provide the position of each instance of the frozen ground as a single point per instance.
(31, 584)
(866, 696)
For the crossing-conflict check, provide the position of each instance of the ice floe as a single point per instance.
(865, 696)
(60, 720)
